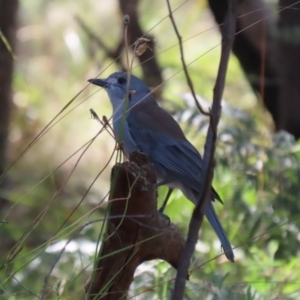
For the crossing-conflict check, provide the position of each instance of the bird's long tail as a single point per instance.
(212, 217)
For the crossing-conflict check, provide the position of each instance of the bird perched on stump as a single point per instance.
(142, 125)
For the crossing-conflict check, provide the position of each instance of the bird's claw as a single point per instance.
(167, 219)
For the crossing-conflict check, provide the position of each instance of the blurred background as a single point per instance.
(55, 175)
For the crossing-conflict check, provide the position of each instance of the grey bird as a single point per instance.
(142, 125)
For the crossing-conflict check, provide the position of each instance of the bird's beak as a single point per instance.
(101, 82)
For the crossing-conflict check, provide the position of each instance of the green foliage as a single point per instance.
(257, 172)
(257, 176)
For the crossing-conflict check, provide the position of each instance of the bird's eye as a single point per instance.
(121, 80)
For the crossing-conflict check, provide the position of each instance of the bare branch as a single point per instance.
(112, 54)
(228, 31)
(188, 79)
(152, 73)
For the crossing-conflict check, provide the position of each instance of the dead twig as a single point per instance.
(228, 31)
(188, 79)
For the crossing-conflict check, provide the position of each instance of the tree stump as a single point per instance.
(136, 232)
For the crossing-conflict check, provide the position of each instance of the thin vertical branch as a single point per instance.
(188, 78)
(263, 63)
(228, 31)
(151, 70)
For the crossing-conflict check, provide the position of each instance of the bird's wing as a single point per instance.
(158, 135)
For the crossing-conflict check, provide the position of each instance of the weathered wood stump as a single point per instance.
(136, 231)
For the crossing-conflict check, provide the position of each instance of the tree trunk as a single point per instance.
(8, 16)
(255, 48)
(289, 39)
(136, 231)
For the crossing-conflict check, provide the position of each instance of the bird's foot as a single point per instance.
(167, 219)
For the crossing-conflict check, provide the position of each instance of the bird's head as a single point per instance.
(117, 87)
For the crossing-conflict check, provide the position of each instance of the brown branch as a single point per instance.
(188, 78)
(228, 31)
(112, 54)
(129, 241)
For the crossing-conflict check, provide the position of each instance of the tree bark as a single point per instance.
(269, 53)
(289, 39)
(8, 19)
(136, 232)
(255, 48)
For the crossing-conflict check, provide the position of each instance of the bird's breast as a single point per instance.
(123, 135)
